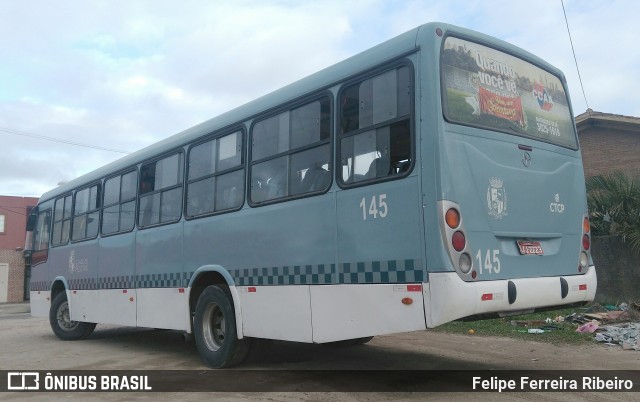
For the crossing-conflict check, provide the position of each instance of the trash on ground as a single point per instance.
(626, 335)
(588, 327)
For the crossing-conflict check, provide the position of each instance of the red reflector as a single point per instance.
(414, 288)
(407, 301)
(583, 287)
(458, 241)
(487, 296)
(252, 290)
(124, 290)
(181, 290)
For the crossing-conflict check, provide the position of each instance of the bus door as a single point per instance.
(116, 272)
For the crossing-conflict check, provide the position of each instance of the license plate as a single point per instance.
(529, 247)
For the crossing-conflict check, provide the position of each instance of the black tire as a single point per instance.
(215, 330)
(62, 325)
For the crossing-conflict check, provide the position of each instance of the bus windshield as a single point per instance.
(486, 88)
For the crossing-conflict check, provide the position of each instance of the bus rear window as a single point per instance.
(490, 89)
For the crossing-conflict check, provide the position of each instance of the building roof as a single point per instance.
(610, 121)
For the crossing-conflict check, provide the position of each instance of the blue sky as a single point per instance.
(123, 74)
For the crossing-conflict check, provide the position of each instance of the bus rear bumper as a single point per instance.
(448, 298)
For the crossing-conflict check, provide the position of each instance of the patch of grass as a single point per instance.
(565, 334)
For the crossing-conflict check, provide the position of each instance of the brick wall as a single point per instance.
(16, 274)
(605, 151)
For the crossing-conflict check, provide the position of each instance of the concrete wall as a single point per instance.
(618, 270)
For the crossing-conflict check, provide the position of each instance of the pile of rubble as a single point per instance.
(613, 325)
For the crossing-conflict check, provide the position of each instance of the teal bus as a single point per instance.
(434, 177)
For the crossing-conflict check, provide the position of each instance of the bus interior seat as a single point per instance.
(379, 167)
(315, 179)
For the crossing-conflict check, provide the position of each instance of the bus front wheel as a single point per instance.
(61, 323)
(215, 331)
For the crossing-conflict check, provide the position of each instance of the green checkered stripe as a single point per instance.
(39, 286)
(167, 280)
(393, 271)
(82, 284)
(116, 282)
(287, 275)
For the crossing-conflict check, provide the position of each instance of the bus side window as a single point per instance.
(216, 175)
(62, 220)
(376, 128)
(119, 203)
(86, 216)
(41, 235)
(291, 153)
(161, 191)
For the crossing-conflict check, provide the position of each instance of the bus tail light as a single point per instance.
(452, 217)
(458, 241)
(455, 238)
(465, 263)
(584, 260)
(586, 245)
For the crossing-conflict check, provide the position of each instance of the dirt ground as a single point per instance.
(27, 343)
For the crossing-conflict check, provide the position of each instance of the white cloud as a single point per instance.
(124, 74)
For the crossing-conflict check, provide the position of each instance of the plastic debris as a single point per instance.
(529, 323)
(627, 335)
(589, 327)
(536, 331)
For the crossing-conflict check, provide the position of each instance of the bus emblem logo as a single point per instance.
(496, 198)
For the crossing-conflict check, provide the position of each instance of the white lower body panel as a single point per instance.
(354, 311)
(276, 312)
(166, 308)
(328, 313)
(40, 303)
(447, 297)
(109, 306)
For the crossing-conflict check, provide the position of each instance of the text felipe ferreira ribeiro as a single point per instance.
(555, 384)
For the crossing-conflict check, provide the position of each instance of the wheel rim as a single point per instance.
(213, 327)
(64, 319)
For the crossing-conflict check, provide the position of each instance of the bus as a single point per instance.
(434, 177)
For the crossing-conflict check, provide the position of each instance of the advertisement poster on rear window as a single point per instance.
(490, 89)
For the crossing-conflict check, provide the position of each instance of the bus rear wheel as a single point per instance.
(61, 323)
(215, 330)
